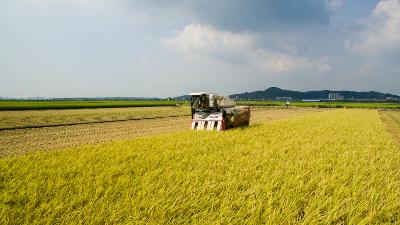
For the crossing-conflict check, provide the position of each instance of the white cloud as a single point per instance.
(199, 38)
(284, 63)
(208, 41)
(382, 35)
(334, 4)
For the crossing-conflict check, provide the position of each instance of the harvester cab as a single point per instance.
(213, 112)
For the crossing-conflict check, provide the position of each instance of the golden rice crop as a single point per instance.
(339, 166)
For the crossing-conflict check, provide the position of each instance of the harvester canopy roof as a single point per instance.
(201, 93)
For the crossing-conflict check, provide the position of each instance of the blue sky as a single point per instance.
(67, 48)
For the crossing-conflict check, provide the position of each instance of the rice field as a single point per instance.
(96, 126)
(392, 119)
(330, 167)
(45, 118)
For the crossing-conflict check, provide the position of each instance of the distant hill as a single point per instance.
(274, 93)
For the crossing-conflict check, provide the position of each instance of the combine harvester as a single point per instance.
(213, 112)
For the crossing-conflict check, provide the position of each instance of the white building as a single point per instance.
(335, 96)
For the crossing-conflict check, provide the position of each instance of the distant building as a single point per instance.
(391, 99)
(335, 96)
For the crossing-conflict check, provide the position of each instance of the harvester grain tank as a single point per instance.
(213, 112)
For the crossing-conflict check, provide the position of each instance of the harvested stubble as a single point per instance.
(41, 118)
(333, 167)
(16, 142)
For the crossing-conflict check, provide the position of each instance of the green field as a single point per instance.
(29, 105)
(332, 167)
(369, 105)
